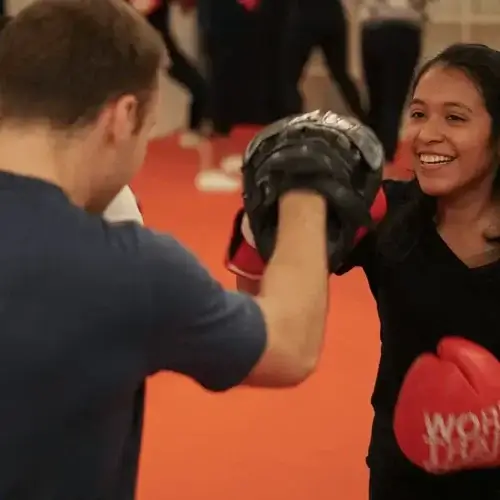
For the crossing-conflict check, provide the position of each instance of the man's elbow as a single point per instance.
(299, 369)
(303, 368)
(282, 370)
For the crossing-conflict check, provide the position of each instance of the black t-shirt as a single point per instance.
(423, 293)
(87, 312)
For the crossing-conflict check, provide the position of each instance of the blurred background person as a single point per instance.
(182, 70)
(317, 24)
(391, 43)
(270, 28)
(226, 28)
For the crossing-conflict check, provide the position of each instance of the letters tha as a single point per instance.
(464, 440)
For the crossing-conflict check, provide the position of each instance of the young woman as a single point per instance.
(433, 266)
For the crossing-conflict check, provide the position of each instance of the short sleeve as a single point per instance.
(195, 327)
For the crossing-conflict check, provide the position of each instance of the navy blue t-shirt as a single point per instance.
(87, 312)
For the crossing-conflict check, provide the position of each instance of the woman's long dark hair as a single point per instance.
(402, 229)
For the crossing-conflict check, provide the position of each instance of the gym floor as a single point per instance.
(247, 444)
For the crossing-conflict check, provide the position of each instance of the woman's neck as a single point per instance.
(467, 207)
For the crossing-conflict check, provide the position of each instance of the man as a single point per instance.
(90, 309)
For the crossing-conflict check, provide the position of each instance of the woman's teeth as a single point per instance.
(435, 159)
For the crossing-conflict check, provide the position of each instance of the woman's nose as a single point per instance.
(430, 131)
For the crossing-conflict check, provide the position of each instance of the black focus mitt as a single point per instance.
(333, 155)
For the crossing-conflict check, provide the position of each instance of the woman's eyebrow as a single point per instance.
(447, 103)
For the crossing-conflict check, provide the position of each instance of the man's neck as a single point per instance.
(38, 153)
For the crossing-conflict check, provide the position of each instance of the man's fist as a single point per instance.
(447, 417)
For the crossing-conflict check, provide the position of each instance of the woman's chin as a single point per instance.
(435, 187)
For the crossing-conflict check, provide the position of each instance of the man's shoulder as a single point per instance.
(157, 261)
(126, 248)
(80, 245)
(90, 238)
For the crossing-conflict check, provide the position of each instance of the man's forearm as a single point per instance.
(296, 278)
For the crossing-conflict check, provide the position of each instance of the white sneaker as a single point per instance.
(189, 140)
(231, 165)
(214, 180)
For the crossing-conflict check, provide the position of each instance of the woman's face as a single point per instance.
(449, 130)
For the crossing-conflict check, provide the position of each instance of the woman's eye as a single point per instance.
(455, 118)
(415, 115)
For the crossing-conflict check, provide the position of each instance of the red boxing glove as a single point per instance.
(242, 257)
(447, 417)
(377, 212)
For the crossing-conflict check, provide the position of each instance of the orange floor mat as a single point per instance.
(307, 443)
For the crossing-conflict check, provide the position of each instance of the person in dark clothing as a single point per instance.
(391, 41)
(271, 24)
(317, 24)
(226, 29)
(181, 69)
(227, 32)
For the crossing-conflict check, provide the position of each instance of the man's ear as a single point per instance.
(123, 118)
(118, 120)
